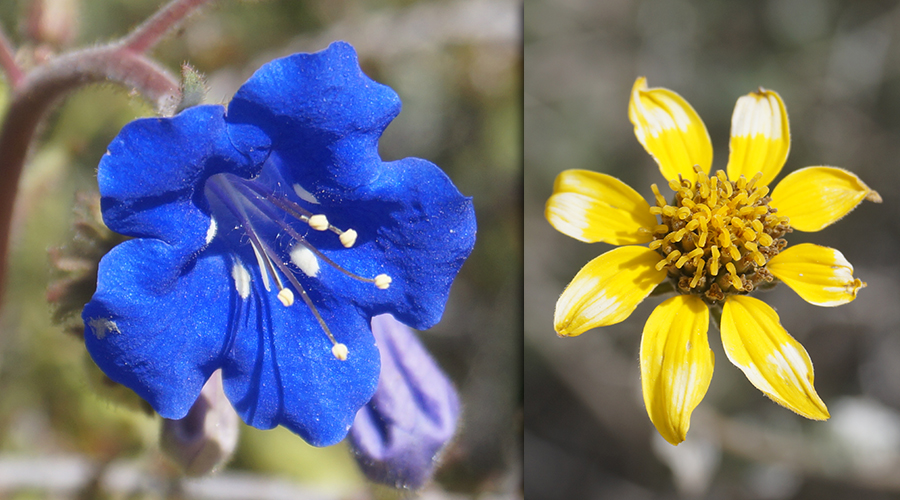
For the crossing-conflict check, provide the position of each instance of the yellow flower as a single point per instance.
(716, 239)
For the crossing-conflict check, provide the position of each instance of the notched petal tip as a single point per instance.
(770, 358)
(676, 364)
(760, 136)
(670, 131)
(820, 275)
(816, 197)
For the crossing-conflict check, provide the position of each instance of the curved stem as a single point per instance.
(44, 86)
(151, 31)
(34, 93)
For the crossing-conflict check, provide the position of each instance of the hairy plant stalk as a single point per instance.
(33, 94)
(151, 31)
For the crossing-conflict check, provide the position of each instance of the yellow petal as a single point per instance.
(670, 130)
(676, 364)
(821, 275)
(772, 360)
(760, 137)
(816, 197)
(591, 207)
(607, 289)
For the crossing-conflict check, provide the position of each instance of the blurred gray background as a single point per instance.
(836, 64)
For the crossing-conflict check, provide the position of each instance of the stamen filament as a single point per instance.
(318, 222)
(250, 204)
(269, 212)
(225, 192)
(295, 210)
(262, 266)
(296, 284)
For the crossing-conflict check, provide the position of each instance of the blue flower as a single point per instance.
(265, 238)
(398, 436)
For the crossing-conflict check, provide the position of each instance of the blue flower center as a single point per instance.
(268, 221)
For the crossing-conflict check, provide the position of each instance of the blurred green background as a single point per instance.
(836, 64)
(456, 65)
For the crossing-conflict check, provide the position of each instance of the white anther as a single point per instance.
(340, 351)
(348, 238)
(286, 296)
(382, 281)
(318, 222)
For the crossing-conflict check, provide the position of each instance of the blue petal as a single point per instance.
(159, 321)
(413, 225)
(281, 370)
(320, 112)
(154, 169)
(426, 230)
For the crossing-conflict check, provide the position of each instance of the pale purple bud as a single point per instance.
(205, 438)
(399, 435)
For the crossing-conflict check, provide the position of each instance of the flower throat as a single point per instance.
(258, 210)
(718, 235)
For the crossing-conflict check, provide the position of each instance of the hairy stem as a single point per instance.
(151, 31)
(44, 86)
(34, 93)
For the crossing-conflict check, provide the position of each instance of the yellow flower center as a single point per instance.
(718, 235)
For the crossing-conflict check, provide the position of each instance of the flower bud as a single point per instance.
(53, 22)
(193, 87)
(398, 437)
(205, 438)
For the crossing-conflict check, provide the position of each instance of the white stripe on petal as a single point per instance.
(755, 115)
(241, 280)
(211, 231)
(306, 260)
(304, 194)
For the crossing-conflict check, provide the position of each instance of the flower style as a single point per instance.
(398, 436)
(236, 215)
(720, 237)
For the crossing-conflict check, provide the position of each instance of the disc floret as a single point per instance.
(717, 235)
